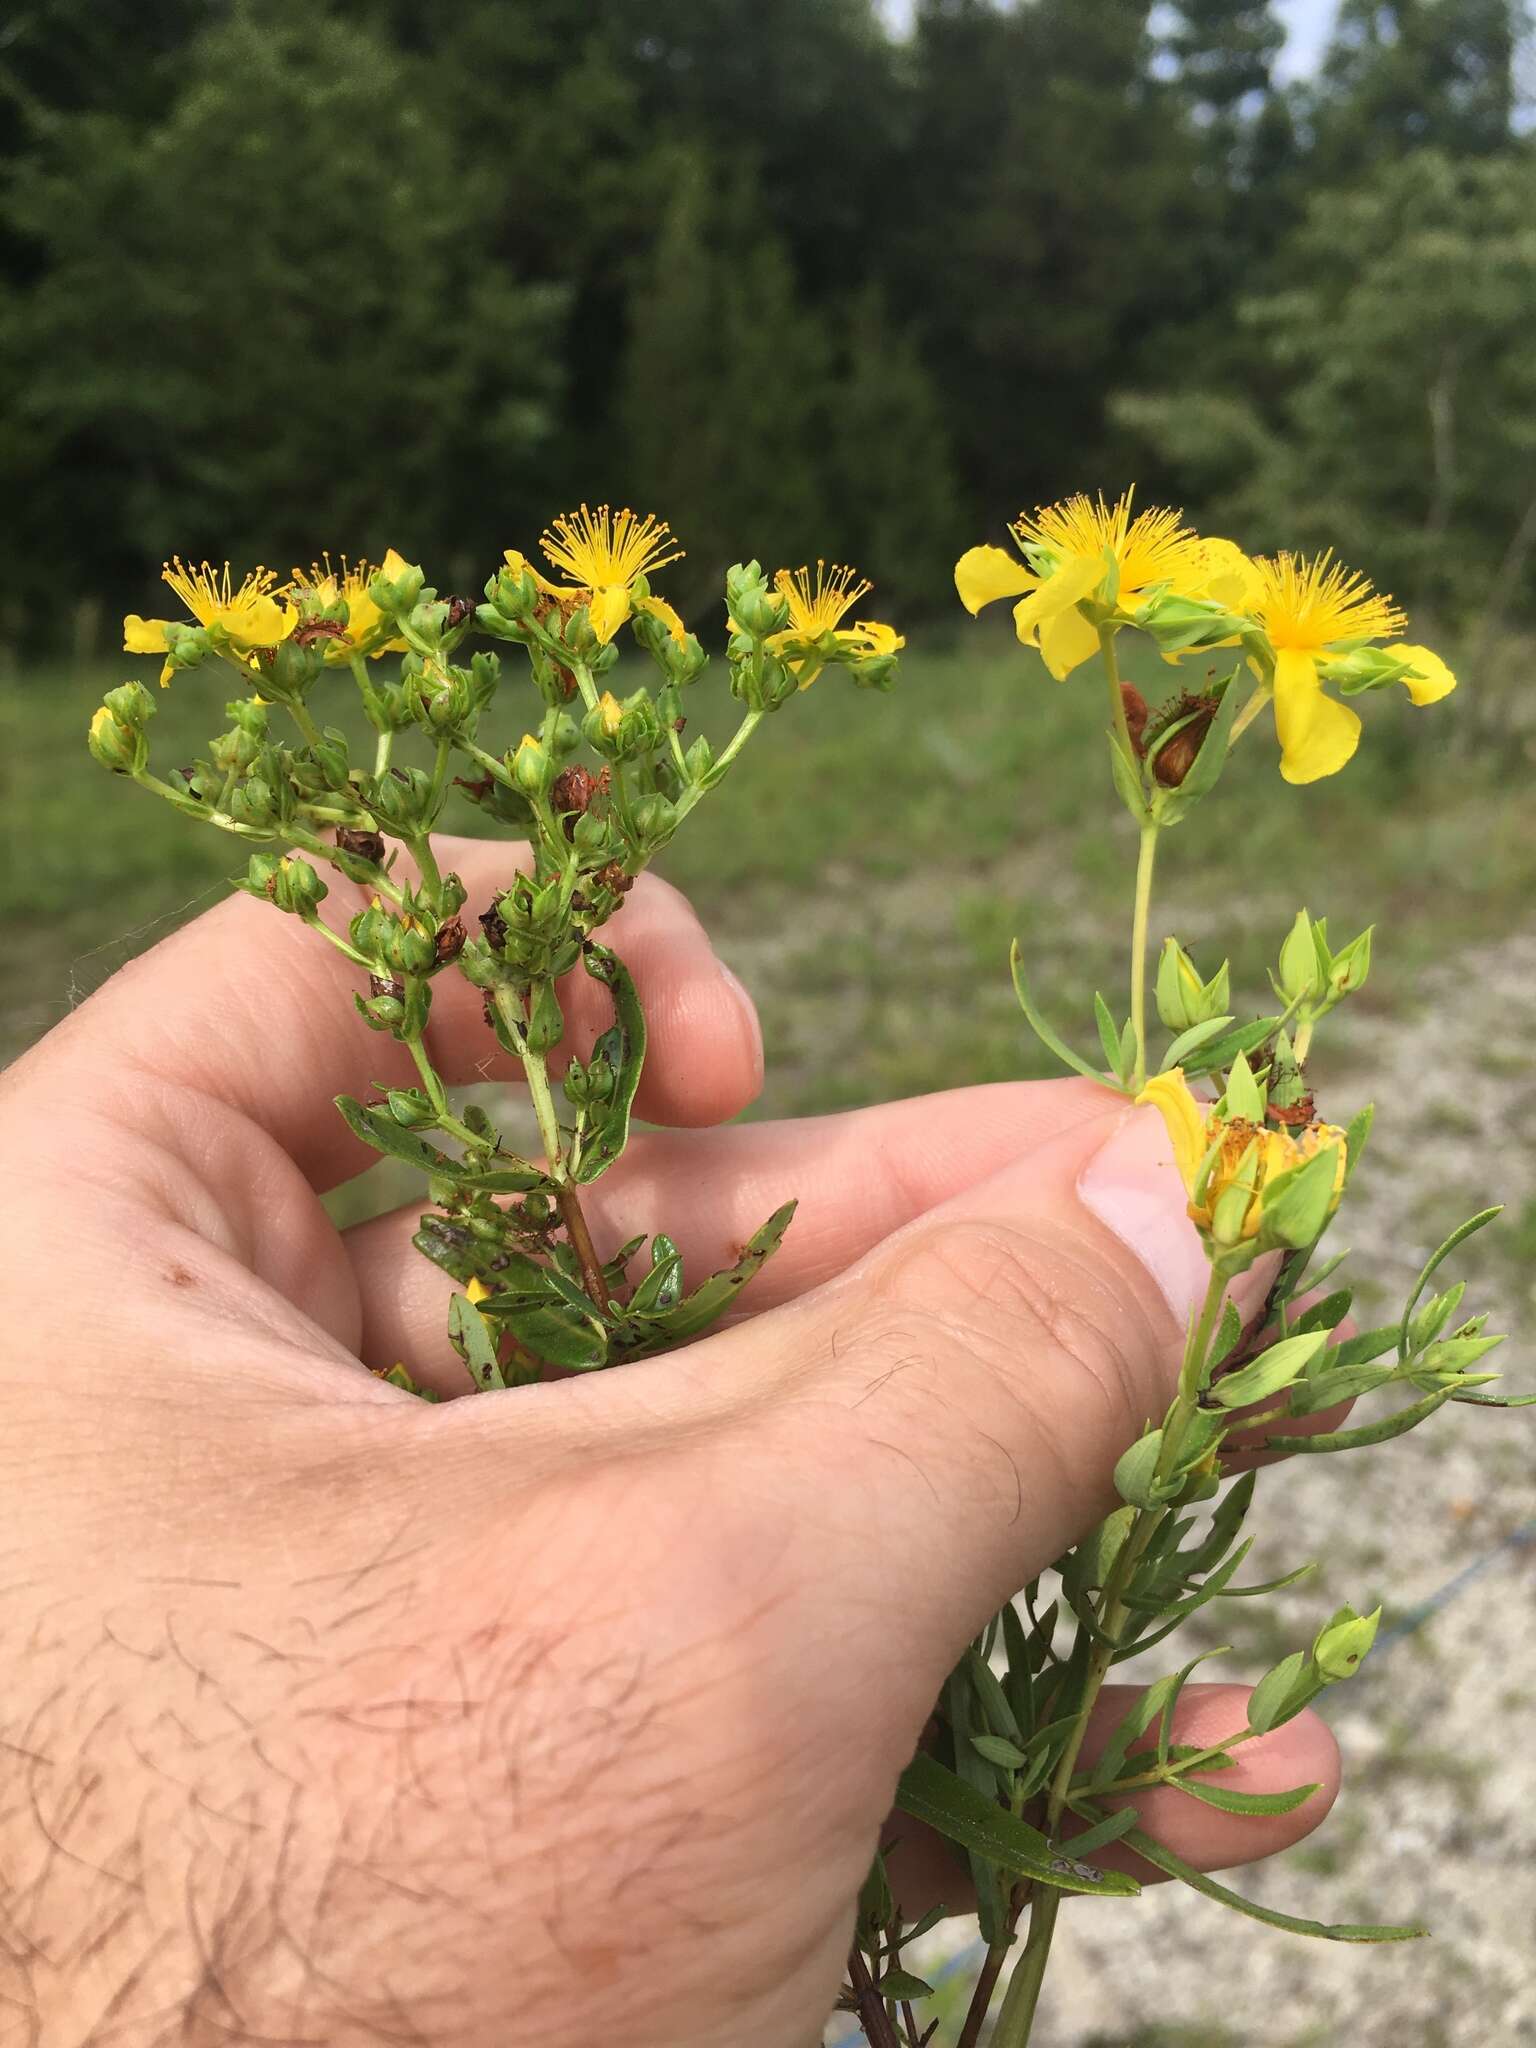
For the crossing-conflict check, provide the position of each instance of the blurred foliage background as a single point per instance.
(277, 274)
(807, 277)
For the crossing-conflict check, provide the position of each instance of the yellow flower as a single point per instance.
(1306, 610)
(1227, 576)
(247, 618)
(326, 586)
(610, 712)
(1069, 548)
(818, 605)
(1215, 1155)
(605, 551)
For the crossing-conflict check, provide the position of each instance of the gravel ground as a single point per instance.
(1437, 1821)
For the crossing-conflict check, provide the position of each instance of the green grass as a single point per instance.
(868, 863)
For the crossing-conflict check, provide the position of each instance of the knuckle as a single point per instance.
(1044, 1322)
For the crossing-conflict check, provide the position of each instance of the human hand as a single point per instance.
(562, 1716)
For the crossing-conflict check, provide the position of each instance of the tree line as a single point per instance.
(277, 275)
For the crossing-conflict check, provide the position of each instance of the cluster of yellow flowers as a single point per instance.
(607, 554)
(1089, 568)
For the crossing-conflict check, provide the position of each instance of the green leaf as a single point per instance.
(1326, 1314)
(378, 1129)
(559, 1335)
(994, 1701)
(1357, 1132)
(471, 1336)
(1369, 1433)
(1298, 1203)
(1171, 1865)
(661, 1288)
(1103, 1832)
(1247, 1038)
(665, 1328)
(1431, 1265)
(902, 1987)
(606, 1131)
(1136, 1478)
(1128, 782)
(1270, 1371)
(1109, 1038)
(997, 1749)
(1038, 1025)
(1246, 1802)
(1191, 1040)
(929, 1792)
(1276, 1698)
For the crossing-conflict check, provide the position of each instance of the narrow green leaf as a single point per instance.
(664, 1329)
(560, 1336)
(1271, 1702)
(471, 1336)
(1435, 1260)
(929, 1792)
(1171, 1865)
(1369, 1433)
(1103, 1832)
(997, 1749)
(1270, 1371)
(1246, 1802)
(1037, 1023)
(1191, 1040)
(1109, 1037)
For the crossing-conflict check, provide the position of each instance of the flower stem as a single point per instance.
(1116, 699)
(1145, 862)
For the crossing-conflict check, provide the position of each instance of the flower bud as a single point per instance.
(1183, 1000)
(1303, 975)
(398, 592)
(655, 821)
(1341, 1647)
(1351, 966)
(121, 748)
(532, 769)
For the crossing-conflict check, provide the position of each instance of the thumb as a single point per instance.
(952, 1408)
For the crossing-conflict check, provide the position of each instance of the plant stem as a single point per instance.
(572, 1215)
(305, 723)
(1146, 860)
(879, 2031)
(437, 1095)
(1016, 2017)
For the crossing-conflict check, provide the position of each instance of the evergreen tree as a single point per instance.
(1410, 74)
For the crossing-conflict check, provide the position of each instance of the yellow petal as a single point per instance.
(143, 636)
(259, 622)
(1169, 1094)
(608, 609)
(1073, 581)
(1432, 680)
(477, 1289)
(1317, 733)
(1230, 577)
(393, 564)
(1066, 641)
(658, 608)
(984, 574)
(878, 638)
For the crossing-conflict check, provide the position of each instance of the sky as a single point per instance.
(1308, 20)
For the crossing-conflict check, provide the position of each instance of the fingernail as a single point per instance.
(1132, 1185)
(749, 1012)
